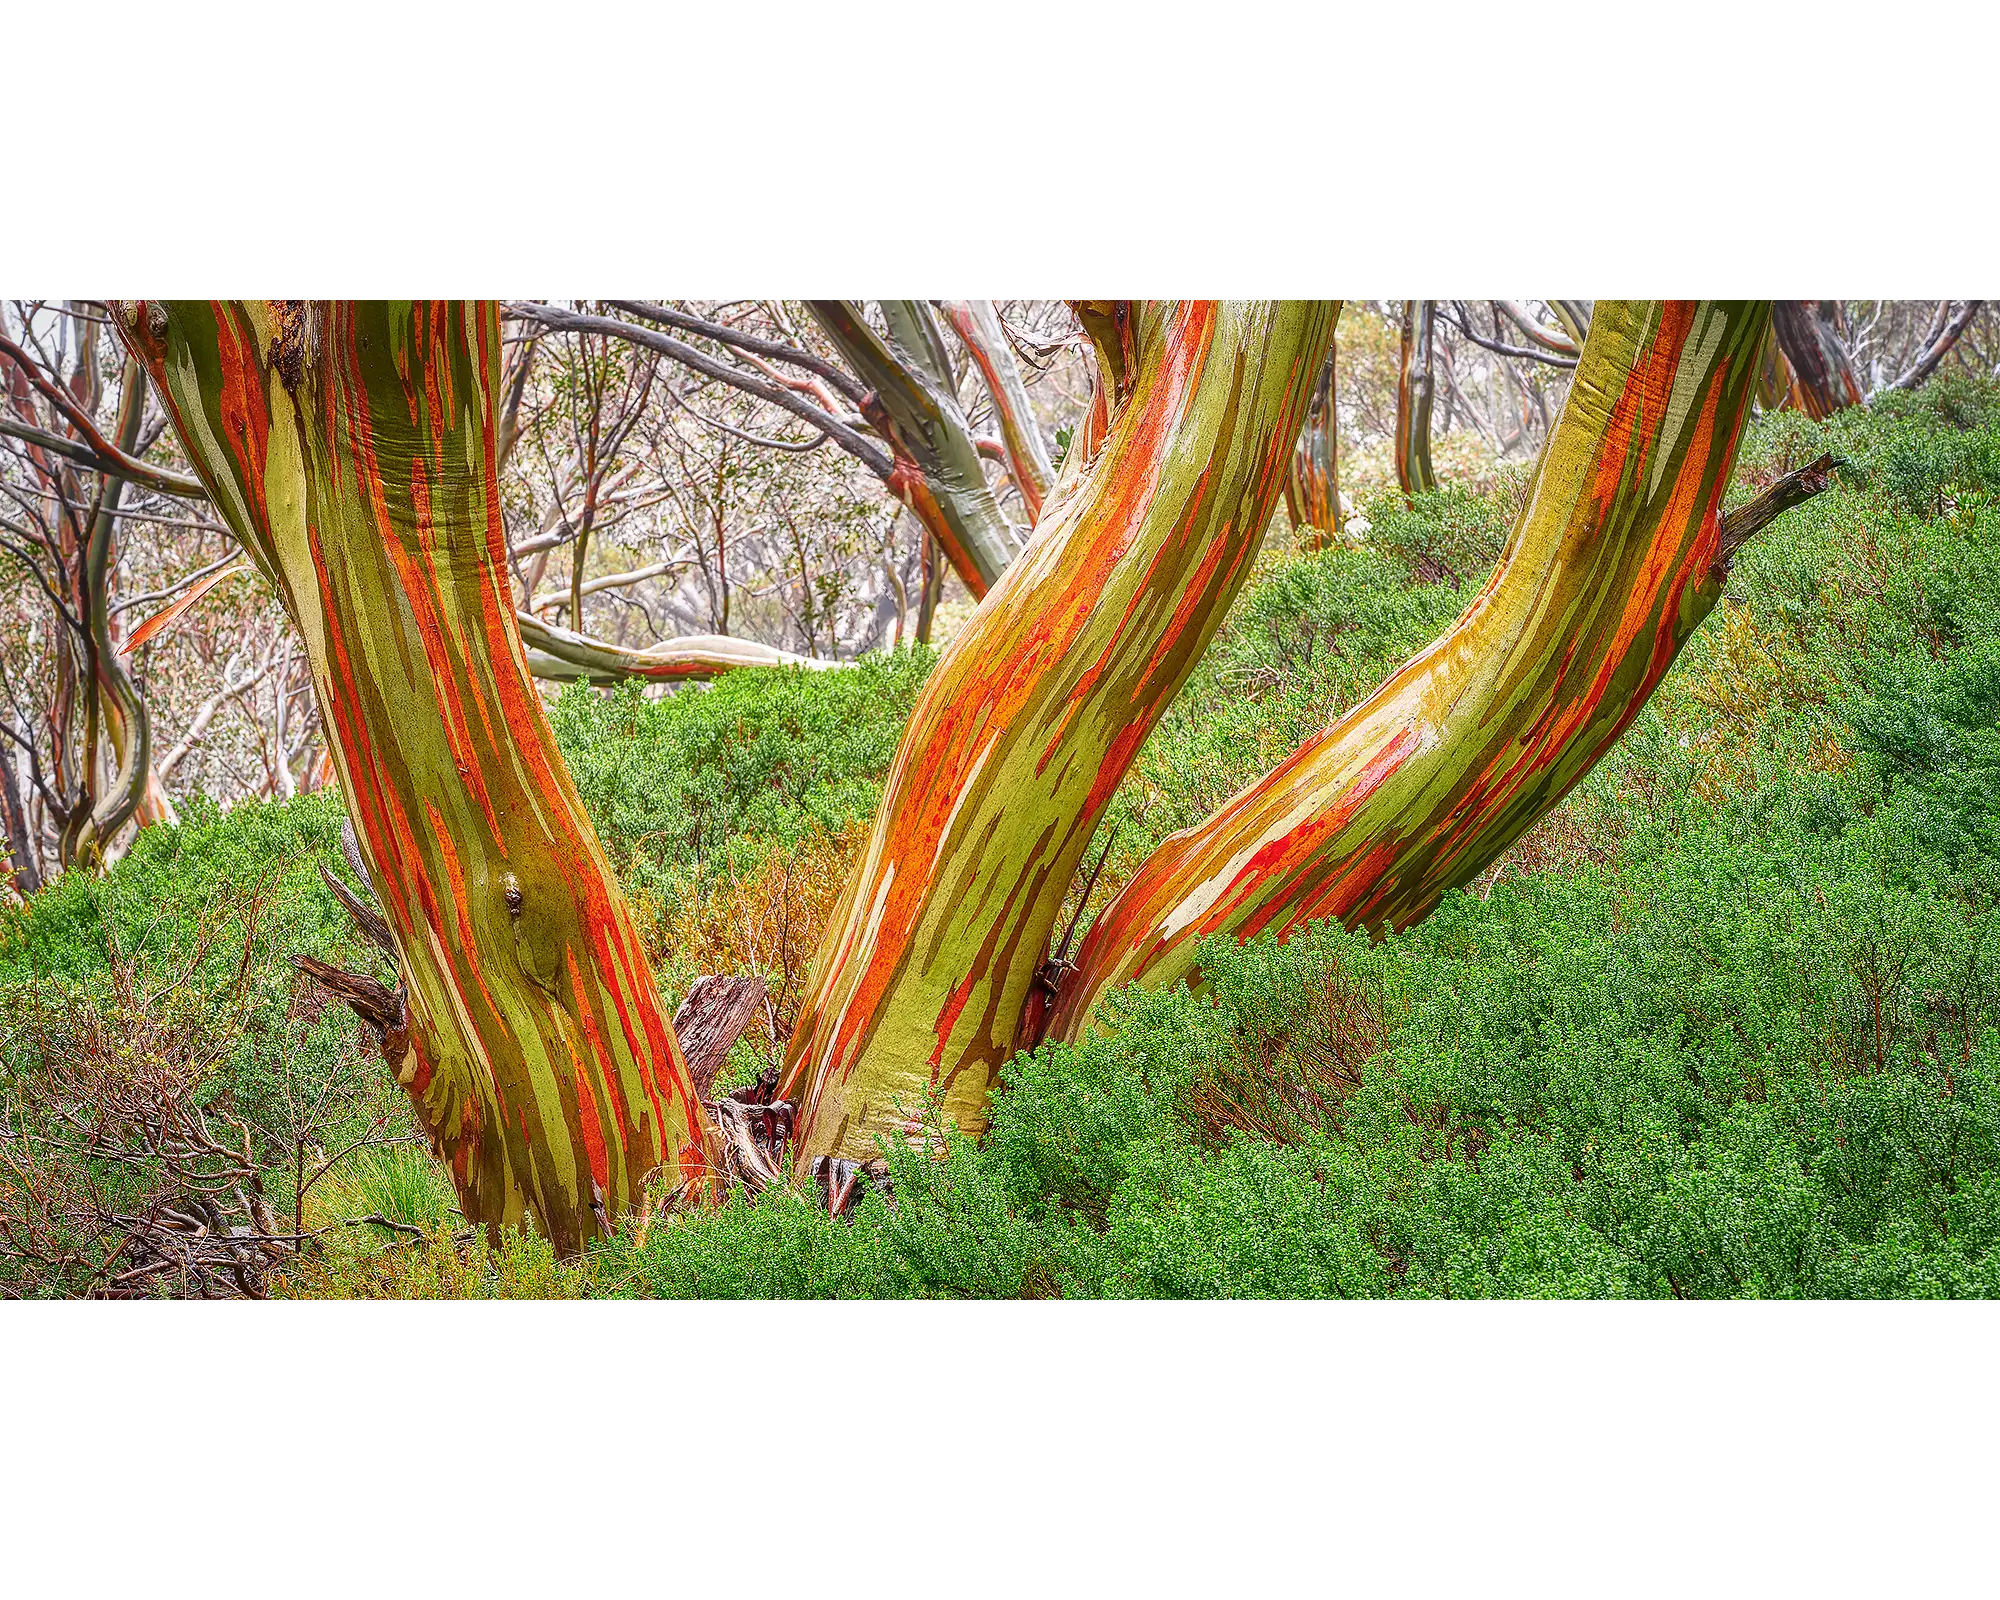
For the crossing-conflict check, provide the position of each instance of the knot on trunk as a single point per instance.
(293, 345)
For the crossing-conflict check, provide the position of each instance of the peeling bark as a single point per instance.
(1416, 387)
(1038, 706)
(353, 450)
(1617, 556)
(1312, 492)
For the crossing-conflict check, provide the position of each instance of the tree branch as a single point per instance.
(111, 462)
(560, 656)
(1793, 489)
(109, 458)
(863, 449)
(1463, 323)
(1939, 348)
(1548, 338)
(750, 343)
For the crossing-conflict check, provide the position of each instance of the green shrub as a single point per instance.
(759, 757)
(1450, 534)
(1755, 1051)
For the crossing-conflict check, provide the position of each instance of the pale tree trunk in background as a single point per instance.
(1415, 389)
(23, 853)
(978, 326)
(1617, 556)
(1312, 492)
(1810, 335)
(353, 450)
(121, 711)
(1950, 330)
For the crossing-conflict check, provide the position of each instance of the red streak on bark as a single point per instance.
(245, 418)
(600, 1060)
(417, 586)
(358, 753)
(967, 716)
(1348, 892)
(593, 1129)
(466, 949)
(948, 1018)
(618, 974)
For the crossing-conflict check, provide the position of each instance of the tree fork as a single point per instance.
(1618, 554)
(937, 472)
(1039, 705)
(353, 450)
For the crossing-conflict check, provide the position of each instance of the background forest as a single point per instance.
(1723, 1023)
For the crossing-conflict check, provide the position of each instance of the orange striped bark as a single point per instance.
(1037, 708)
(353, 449)
(1415, 388)
(1616, 558)
(1312, 494)
(1810, 336)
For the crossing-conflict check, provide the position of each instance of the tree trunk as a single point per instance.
(1774, 373)
(557, 655)
(1823, 376)
(978, 326)
(1616, 558)
(1037, 708)
(930, 584)
(1415, 389)
(1312, 492)
(24, 853)
(353, 449)
(938, 473)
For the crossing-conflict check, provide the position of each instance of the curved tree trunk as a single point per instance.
(557, 655)
(1037, 708)
(1415, 389)
(353, 449)
(122, 713)
(1617, 556)
(1312, 492)
(977, 324)
(1823, 376)
(937, 472)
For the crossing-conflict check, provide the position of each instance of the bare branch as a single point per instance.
(863, 449)
(1939, 347)
(769, 349)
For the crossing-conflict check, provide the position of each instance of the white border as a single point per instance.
(1040, 149)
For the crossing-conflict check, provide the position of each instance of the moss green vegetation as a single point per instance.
(1727, 1023)
(754, 761)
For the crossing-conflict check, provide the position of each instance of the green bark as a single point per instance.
(353, 450)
